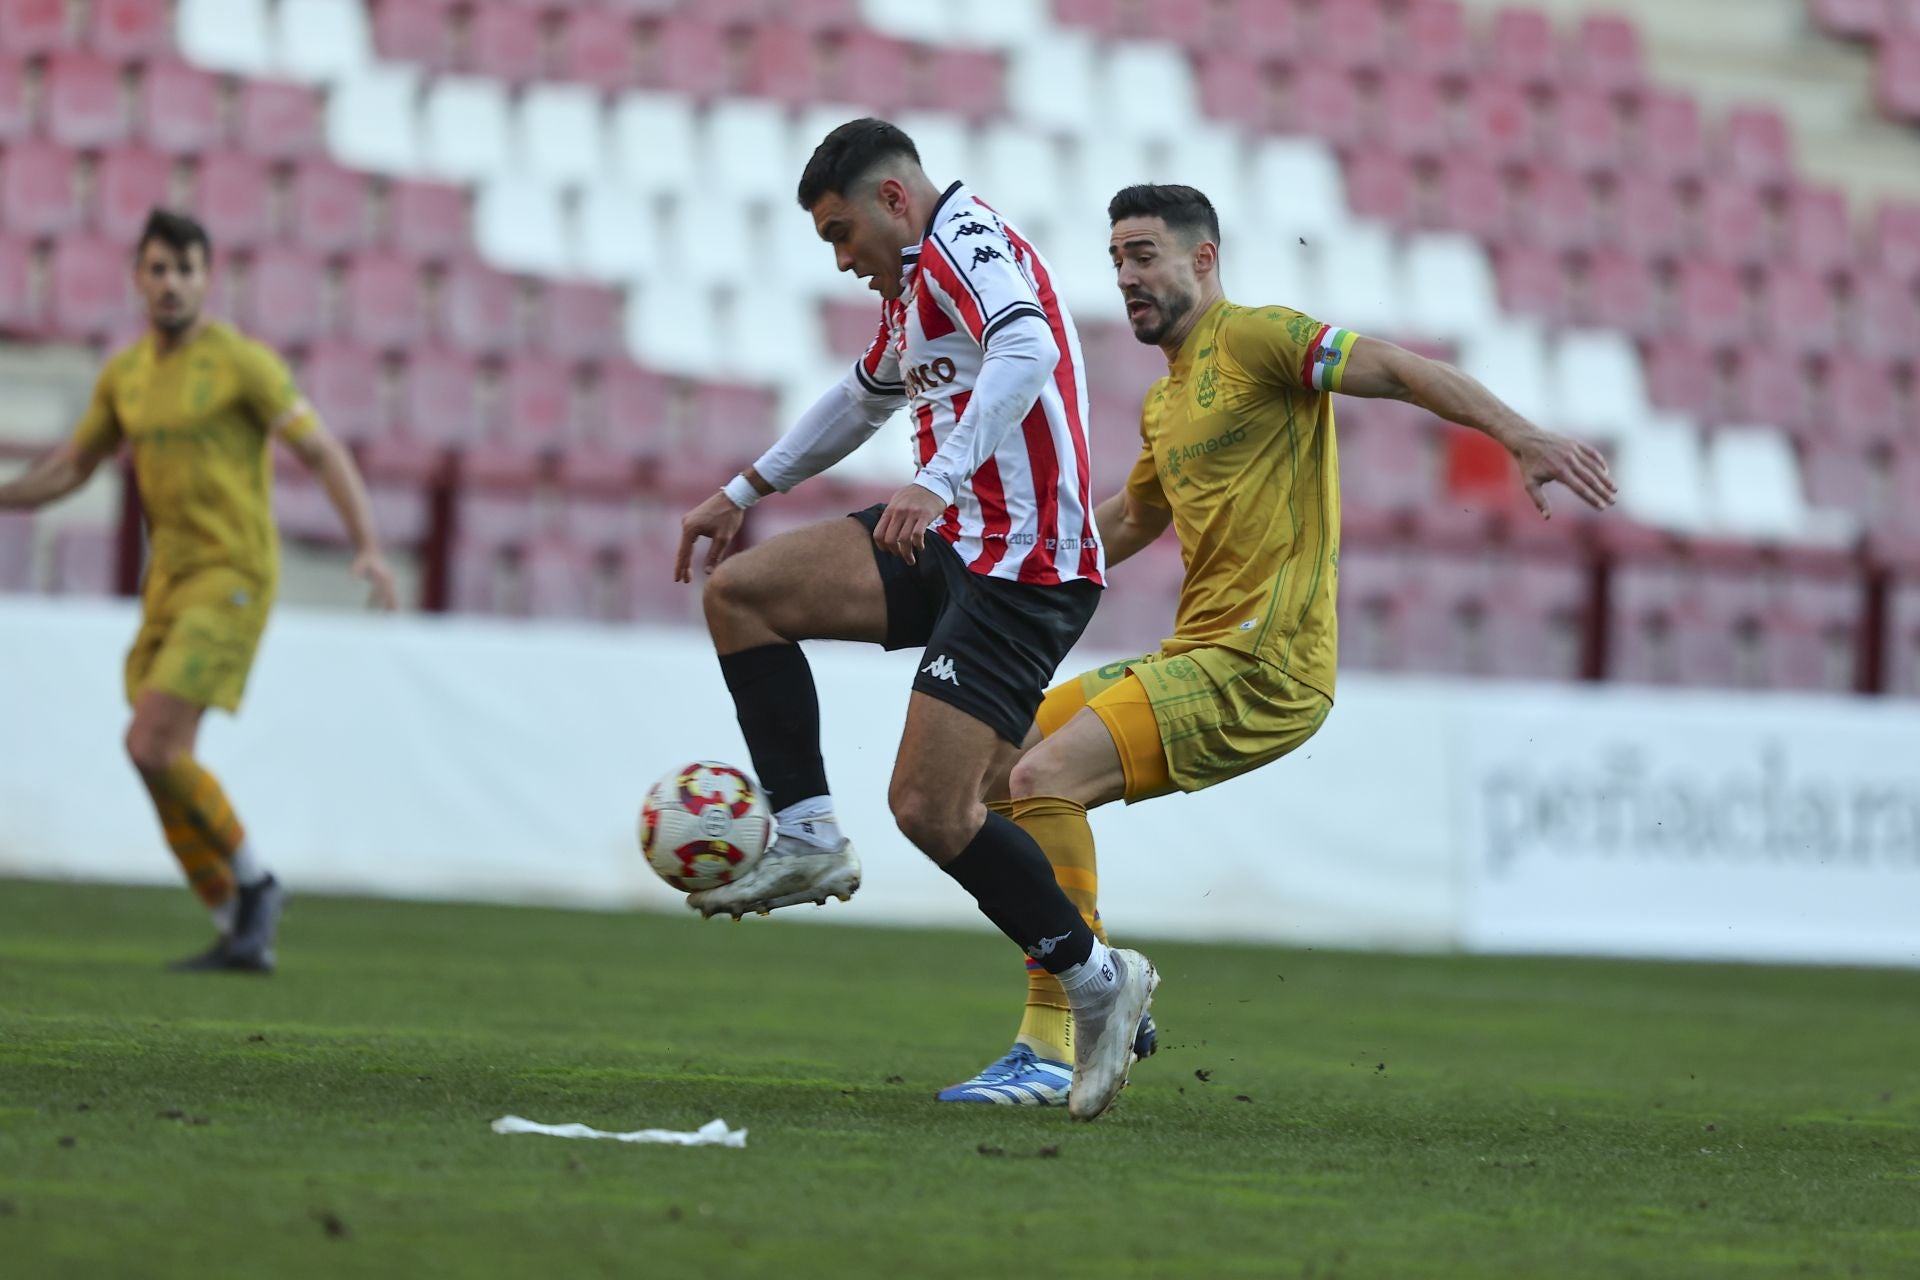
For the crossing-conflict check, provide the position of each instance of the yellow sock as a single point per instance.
(1059, 826)
(200, 826)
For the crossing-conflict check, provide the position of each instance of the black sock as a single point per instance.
(779, 713)
(1010, 878)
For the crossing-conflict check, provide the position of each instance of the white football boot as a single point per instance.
(1103, 1036)
(789, 873)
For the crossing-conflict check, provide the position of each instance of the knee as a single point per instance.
(1037, 774)
(936, 826)
(726, 590)
(150, 752)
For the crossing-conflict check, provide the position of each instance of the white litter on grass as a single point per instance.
(714, 1133)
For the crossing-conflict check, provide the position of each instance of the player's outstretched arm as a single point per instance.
(328, 459)
(53, 476)
(1382, 370)
(1127, 526)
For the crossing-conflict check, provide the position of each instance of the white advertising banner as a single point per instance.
(1757, 827)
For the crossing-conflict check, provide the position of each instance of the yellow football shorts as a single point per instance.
(198, 636)
(1186, 722)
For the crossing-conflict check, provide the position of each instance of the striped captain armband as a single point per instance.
(1326, 359)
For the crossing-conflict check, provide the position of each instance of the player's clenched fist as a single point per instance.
(716, 518)
(903, 526)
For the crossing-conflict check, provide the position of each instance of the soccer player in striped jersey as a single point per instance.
(1236, 455)
(989, 562)
(199, 405)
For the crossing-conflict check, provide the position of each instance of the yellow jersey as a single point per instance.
(1237, 442)
(199, 422)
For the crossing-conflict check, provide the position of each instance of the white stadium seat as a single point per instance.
(322, 40)
(1020, 173)
(1510, 358)
(464, 123)
(1661, 477)
(925, 20)
(518, 226)
(709, 240)
(1102, 164)
(744, 148)
(1051, 84)
(1007, 24)
(1355, 282)
(946, 148)
(1296, 188)
(1753, 479)
(673, 328)
(1448, 287)
(615, 235)
(653, 142)
(1598, 386)
(560, 133)
(1266, 270)
(770, 335)
(1214, 160)
(1076, 250)
(814, 123)
(371, 121)
(1147, 91)
(225, 35)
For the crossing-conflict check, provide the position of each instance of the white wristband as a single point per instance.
(741, 493)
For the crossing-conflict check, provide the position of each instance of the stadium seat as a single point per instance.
(1648, 218)
(1380, 185)
(1606, 54)
(85, 560)
(1597, 384)
(1798, 311)
(1004, 25)
(225, 35)
(745, 143)
(518, 225)
(323, 40)
(128, 184)
(1557, 209)
(692, 57)
(1510, 357)
(785, 65)
(382, 301)
(1768, 384)
(1532, 283)
(653, 142)
(1734, 226)
(1295, 182)
(280, 120)
(1754, 485)
(36, 27)
(1838, 478)
(1672, 142)
(559, 135)
(91, 296)
(633, 405)
(1472, 198)
(1324, 102)
(1619, 293)
(343, 381)
(233, 197)
(427, 220)
(597, 48)
(1587, 133)
(1757, 147)
(1353, 36)
(1712, 305)
(38, 189)
(1894, 241)
(83, 106)
(581, 322)
(1436, 39)
(16, 284)
(1498, 121)
(503, 43)
(1522, 44)
(615, 234)
(128, 30)
(16, 551)
(478, 309)
(361, 121)
(179, 108)
(1859, 398)
(1021, 172)
(437, 397)
(1413, 117)
(1149, 92)
(1819, 236)
(1812, 629)
(282, 301)
(1852, 19)
(1448, 286)
(1054, 84)
(537, 402)
(329, 208)
(1660, 471)
(464, 129)
(416, 31)
(16, 106)
(1885, 319)
(1234, 89)
(562, 581)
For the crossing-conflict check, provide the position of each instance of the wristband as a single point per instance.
(740, 492)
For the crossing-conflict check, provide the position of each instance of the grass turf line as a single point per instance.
(1312, 1113)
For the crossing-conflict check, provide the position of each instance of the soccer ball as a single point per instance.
(704, 825)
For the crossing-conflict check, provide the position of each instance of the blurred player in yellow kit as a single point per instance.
(200, 404)
(1237, 454)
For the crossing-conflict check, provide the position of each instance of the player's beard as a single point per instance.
(174, 323)
(1171, 308)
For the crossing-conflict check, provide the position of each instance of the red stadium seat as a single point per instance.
(1712, 303)
(597, 48)
(1672, 141)
(1769, 386)
(823, 15)
(1894, 241)
(1680, 377)
(1499, 121)
(1733, 223)
(1531, 282)
(1819, 237)
(537, 402)
(38, 189)
(1557, 210)
(129, 183)
(1798, 311)
(1858, 395)
(1352, 35)
(179, 108)
(90, 287)
(737, 13)
(83, 102)
(1648, 217)
(1757, 147)
(1102, 17)
(437, 400)
(477, 309)
(583, 322)
(16, 284)
(1473, 197)
(561, 580)
(329, 207)
(1837, 478)
(232, 196)
(35, 27)
(1380, 185)
(876, 69)
(285, 291)
(1524, 49)
(417, 31)
(1233, 88)
(1896, 77)
(784, 64)
(343, 382)
(691, 56)
(1187, 23)
(16, 110)
(1856, 19)
(1606, 50)
(382, 301)
(428, 220)
(280, 120)
(1437, 40)
(1265, 31)
(504, 42)
(1414, 116)
(966, 82)
(16, 551)
(86, 560)
(1587, 137)
(634, 408)
(1886, 319)
(129, 30)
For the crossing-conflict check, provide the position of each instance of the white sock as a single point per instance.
(1092, 979)
(810, 820)
(226, 914)
(246, 866)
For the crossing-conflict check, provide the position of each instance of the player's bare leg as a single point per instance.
(816, 583)
(244, 899)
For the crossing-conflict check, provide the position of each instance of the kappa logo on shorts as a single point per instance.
(941, 668)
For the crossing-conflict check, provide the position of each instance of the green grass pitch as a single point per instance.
(1312, 1114)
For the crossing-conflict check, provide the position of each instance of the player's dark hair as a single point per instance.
(1186, 211)
(848, 154)
(175, 230)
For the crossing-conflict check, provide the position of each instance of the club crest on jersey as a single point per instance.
(1207, 388)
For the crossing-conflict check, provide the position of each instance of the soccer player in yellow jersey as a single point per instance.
(199, 405)
(1237, 455)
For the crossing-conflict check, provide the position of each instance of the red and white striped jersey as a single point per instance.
(1026, 514)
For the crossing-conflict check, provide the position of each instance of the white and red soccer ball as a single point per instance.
(704, 825)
